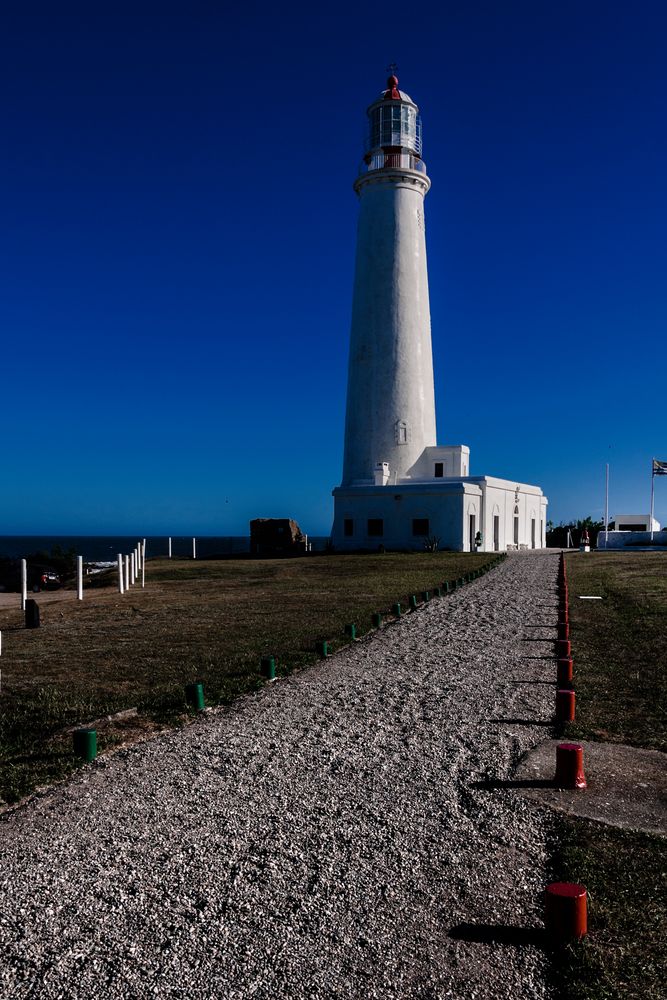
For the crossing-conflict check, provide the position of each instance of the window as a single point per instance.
(375, 527)
(420, 527)
(401, 432)
(348, 527)
(439, 470)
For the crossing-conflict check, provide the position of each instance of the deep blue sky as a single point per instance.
(178, 234)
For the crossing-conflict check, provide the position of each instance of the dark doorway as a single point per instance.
(496, 533)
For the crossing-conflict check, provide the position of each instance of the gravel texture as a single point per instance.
(323, 838)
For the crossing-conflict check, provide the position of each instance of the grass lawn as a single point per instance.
(619, 647)
(203, 620)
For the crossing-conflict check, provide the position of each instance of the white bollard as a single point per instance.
(133, 568)
(127, 572)
(137, 564)
(24, 583)
(121, 588)
(143, 563)
(169, 540)
(79, 578)
(194, 548)
(0, 643)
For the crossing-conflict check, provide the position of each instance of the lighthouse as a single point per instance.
(399, 489)
(390, 396)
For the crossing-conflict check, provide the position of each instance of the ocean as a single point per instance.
(105, 548)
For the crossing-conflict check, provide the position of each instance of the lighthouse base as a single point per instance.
(462, 514)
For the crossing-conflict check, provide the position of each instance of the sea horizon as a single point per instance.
(105, 548)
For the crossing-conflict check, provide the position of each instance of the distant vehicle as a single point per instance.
(39, 577)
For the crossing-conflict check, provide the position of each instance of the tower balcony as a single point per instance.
(391, 161)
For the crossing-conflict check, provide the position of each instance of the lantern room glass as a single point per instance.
(395, 124)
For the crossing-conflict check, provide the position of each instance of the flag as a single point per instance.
(659, 468)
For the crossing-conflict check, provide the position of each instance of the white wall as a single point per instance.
(397, 507)
(630, 539)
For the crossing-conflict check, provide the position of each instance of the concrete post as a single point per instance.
(127, 572)
(169, 547)
(194, 548)
(121, 588)
(133, 568)
(79, 578)
(24, 583)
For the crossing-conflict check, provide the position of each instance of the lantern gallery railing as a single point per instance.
(389, 161)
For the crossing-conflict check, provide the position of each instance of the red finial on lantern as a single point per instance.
(392, 92)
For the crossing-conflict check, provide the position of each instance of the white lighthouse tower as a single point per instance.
(390, 397)
(399, 489)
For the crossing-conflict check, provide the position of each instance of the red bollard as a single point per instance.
(564, 669)
(570, 766)
(565, 911)
(563, 648)
(563, 630)
(565, 705)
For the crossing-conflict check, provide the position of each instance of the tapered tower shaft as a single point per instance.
(390, 398)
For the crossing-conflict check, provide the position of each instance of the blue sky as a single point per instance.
(178, 235)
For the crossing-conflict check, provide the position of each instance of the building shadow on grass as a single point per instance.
(499, 934)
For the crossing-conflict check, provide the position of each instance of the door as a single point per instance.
(472, 532)
(496, 533)
(516, 531)
(532, 532)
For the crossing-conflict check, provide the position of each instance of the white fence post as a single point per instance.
(143, 563)
(169, 540)
(121, 588)
(127, 572)
(133, 568)
(24, 583)
(194, 548)
(79, 578)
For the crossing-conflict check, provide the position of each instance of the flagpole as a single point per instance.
(652, 491)
(606, 503)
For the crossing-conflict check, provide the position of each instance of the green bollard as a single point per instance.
(84, 742)
(396, 609)
(376, 619)
(413, 602)
(268, 667)
(194, 695)
(322, 648)
(426, 596)
(437, 592)
(447, 585)
(351, 630)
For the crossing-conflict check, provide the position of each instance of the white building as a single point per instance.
(399, 487)
(634, 522)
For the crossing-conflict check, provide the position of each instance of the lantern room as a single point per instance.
(394, 134)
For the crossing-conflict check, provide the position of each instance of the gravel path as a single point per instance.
(322, 839)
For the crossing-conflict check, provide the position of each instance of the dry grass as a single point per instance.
(620, 652)
(209, 621)
(620, 646)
